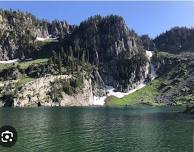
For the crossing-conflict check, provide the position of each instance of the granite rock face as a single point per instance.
(177, 74)
(37, 93)
(19, 31)
(116, 51)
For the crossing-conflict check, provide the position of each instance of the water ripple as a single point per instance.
(99, 129)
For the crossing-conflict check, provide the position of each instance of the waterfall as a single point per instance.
(149, 67)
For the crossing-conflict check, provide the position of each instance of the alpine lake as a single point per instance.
(100, 129)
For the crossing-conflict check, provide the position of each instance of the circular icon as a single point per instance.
(8, 136)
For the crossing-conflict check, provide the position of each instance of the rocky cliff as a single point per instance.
(19, 31)
(102, 49)
(176, 73)
(116, 51)
(46, 91)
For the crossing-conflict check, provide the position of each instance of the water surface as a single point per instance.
(138, 129)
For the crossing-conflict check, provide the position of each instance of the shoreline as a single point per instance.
(103, 106)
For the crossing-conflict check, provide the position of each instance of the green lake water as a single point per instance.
(137, 129)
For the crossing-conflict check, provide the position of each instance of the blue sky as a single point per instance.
(144, 17)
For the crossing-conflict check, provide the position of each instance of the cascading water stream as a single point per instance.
(110, 89)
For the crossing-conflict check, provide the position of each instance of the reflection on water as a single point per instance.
(140, 129)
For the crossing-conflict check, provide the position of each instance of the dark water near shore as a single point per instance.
(140, 129)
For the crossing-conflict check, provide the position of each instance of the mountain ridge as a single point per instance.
(100, 50)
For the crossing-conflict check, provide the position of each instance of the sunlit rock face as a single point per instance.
(37, 92)
(19, 31)
(106, 43)
(117, 51)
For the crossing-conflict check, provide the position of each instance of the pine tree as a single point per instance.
(83, 56)
(87, 55)
(59, 62)
(71, 53)
(72, 67)
(54, 56)
(77, 49)
(50, 61)
(62, 53)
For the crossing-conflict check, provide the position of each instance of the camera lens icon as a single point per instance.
(8, 136)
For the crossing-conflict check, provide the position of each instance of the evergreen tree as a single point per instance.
(87, 55)
(62, 53)
(50, 61)
(77, 50)
(83, 57)
(54, 56)
(59, 62)
(71, 53)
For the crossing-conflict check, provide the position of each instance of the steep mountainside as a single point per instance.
(176, 40)
(19, 31)
(102, 49)
(107, 43)
(173, 86)
(176, 73)
(60, 64)
(148, 43)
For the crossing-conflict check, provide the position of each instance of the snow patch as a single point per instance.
(9, 61)
(110, 89)
(100, 101)
(48, 38)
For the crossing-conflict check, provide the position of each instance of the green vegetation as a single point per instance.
(6, 66)
(42, 43)
(21, 69)
(145, 95)
(56, 91)
(26, 64)
(23, 64)
(19, 84)
(90, 50)
(186, 99)
(148, 43)
(162, 55)
(24, 80)
(68, 86)
(176, 40)
(10, 90)
(173, 87)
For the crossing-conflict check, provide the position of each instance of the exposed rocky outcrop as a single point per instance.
(115, 54)
(39, 92)
(19, 31)
(177, 75)
(98, 84)
(102, 49)
(107, 43)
